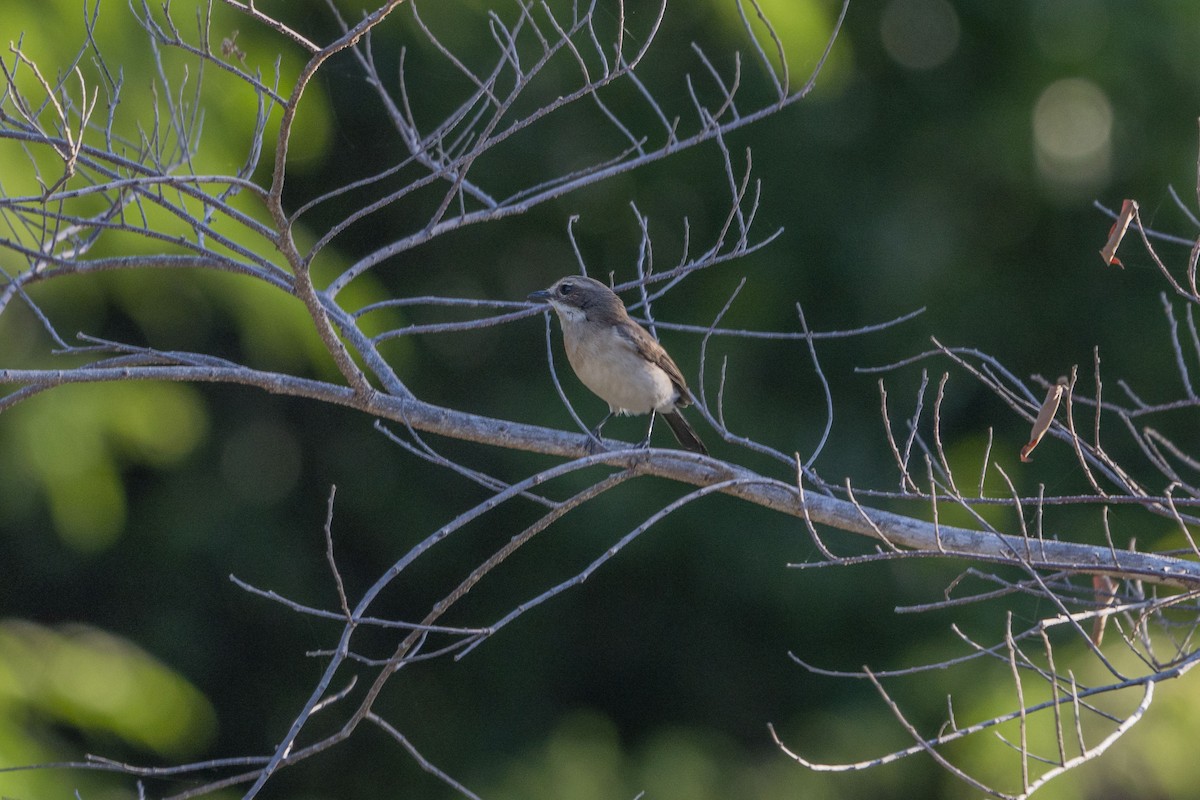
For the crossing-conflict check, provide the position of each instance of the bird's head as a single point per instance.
(577, 297)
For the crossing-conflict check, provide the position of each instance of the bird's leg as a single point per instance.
(596, 443)
(649, 429)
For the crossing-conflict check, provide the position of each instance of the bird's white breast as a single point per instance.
(608, 364)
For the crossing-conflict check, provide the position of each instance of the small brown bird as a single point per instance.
(617, 358)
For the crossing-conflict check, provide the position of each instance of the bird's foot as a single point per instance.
(594, 443)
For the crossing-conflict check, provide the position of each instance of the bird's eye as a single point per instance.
(566, 288)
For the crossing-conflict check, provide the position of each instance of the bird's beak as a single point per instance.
(540, 296)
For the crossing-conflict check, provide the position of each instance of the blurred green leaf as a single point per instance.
(72, 445)
(99, 686)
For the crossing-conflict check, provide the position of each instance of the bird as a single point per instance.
(618, 359)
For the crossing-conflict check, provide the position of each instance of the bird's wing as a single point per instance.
(648, 348)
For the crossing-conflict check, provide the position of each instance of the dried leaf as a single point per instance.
(1116, 233)
(1105, 592)
(1044, 417)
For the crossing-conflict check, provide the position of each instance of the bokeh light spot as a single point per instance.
(919, 34)
(261, 462)
(1072, 133)
(1069, 30)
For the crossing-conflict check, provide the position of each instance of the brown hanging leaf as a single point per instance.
(1116, 233)
(1044, 417)
(1105, 592)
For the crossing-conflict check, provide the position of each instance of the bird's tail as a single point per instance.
(684, 433)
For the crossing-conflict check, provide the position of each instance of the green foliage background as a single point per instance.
(899, 184)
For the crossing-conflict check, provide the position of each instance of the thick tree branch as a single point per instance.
(895, 530)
